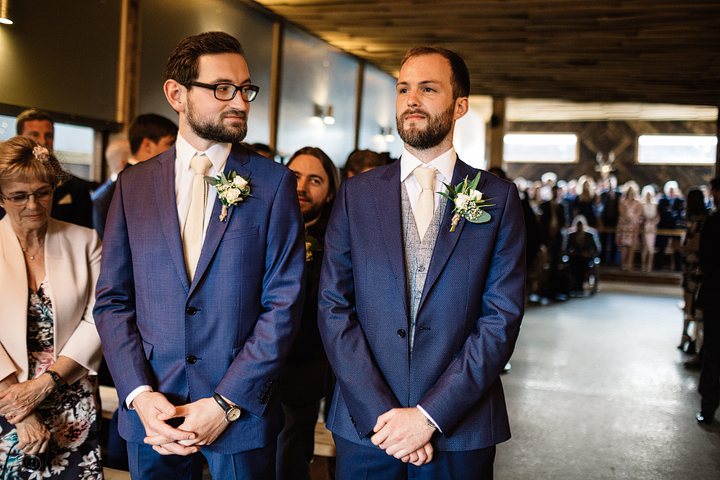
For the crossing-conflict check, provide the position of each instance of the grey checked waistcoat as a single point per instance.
(417, 254)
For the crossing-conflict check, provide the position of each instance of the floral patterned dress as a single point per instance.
(70, 413)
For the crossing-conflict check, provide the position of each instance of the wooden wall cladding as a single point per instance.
(619, 137)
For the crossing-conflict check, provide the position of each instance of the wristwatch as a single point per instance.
(232, 412)
(56, 378)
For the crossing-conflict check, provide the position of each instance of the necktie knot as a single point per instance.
(200, 164)
(425, 177)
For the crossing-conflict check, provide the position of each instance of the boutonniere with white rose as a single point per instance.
(469, 202)
(231, 189)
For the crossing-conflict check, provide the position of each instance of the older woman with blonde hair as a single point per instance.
(49, 418)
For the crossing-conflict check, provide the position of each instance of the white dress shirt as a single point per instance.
(444, 164)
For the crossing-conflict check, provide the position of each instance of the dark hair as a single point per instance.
(361, 160)
(182, 66)
(20, 162)
(29, 116)
(328, 166)
(715, 183)
(150, 126)
(695, 204)
(460, 77)
(500, 173)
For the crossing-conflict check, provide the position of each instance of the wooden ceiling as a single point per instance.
(654, 51)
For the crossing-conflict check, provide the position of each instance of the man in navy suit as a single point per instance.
(419, 318)
(195, 346)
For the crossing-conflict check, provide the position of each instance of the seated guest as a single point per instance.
(307, 377)
(149, 135)
(581, 247)
(361, 161)
(49, 347)
(71, 199)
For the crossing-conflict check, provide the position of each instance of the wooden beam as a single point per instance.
(276, 81)
(358, 100)
(497, 133)
(128, 72)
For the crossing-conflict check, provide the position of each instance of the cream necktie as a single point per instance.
(195, 223)
(425, 206)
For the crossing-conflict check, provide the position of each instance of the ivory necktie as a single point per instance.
(424, 208)
(195, 223)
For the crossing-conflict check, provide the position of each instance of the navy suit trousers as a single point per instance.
(360, 462)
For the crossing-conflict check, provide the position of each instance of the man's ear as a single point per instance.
(176, 94)
(461, 107)
(146, 146)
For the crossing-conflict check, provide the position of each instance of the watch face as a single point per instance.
(233, 414)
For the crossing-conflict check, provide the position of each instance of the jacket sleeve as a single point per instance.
(114, 310)
(257, 366)
(488, 348)
(343, 336)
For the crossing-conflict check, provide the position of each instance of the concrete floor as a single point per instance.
(598, 390)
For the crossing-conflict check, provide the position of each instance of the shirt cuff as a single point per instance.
(427, 415)
(142, 388)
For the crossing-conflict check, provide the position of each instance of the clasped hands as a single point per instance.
(203, 423)
(405, 434)
(18, 402)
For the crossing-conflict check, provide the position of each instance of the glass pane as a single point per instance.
(677, 149)
(540, 147)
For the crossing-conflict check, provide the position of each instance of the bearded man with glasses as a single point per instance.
(199, 295)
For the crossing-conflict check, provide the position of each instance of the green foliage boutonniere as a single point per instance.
(231, 190)
(468, 202)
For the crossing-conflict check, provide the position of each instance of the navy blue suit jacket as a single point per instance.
(228, 331)
(468, 319)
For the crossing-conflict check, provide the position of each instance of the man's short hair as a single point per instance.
(460, 77)
(29, 116)
(715, 183)
(327, 164)
(150, 126)
(361, 160)
(182, 66)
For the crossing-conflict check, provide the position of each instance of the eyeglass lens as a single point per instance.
(22, 198)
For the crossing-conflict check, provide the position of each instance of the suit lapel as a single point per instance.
(386, 191)
(167, 206)
(216, 228)
(446, 240)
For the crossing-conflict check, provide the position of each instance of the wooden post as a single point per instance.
(358, 101)
(497, 132)
(717, 147)
(128, 73)
(276, 81)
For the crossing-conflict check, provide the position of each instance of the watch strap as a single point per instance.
(56, 378)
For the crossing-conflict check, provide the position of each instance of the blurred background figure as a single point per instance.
(650, 219)
(361, 161)
(307, 377)
(50, 347)
(692, 277)
(629, 222)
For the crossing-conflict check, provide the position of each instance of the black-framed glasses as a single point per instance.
(21, 199)
(227, 91)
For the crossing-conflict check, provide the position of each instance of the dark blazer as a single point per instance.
(709, 254)
(228, 331)
(101, 200)
(468, 318)
(306, 376)
(72, 204)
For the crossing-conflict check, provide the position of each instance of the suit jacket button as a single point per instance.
(191, 310)
(401, 333)
(191, 359)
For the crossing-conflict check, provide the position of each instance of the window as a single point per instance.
(540, 147)
(677, 149)
(73, 144)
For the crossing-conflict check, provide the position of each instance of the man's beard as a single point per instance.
(218, 132)
(438, 127)
(313, 212)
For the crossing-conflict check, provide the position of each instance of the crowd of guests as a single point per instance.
(644, 229)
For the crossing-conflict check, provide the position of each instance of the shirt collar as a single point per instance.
(217, 154)
(445, 164)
